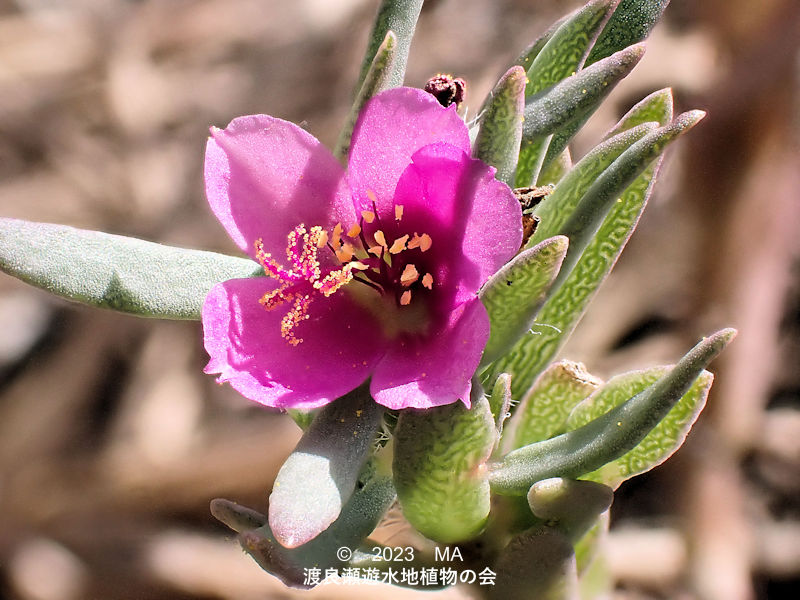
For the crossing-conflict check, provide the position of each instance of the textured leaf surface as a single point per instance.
(439, 468)
(321, 473)
(545, 407)
(661, 442)
(514, 294)
(557, 55)
(555, 171)
(657, 107)
(567, 302)
(572, 100)
(500, 131)
(631, 22)
(399, 17)
(116, 272)
(610, 436)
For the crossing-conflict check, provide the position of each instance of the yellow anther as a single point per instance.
(336, 240)
(368, 215)
(380, 238)
(425, 242)
(409, 275)
(345, 253)
(405, 299)
(359, 266)
(376, 250)
(398, 245)
(354, 231)
(371, 196)
(398, 211)
(427, 281)
(322, 239)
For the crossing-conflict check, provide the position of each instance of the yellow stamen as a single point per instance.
(427, 281)
(354, 231)
(399, 245)
(323, 239)
(345, 253)
(376, 250)
(398, 211)
(336, 240)
(380, 238)
(409, 275)
(405, 299)
(425, 242)
(368, 215)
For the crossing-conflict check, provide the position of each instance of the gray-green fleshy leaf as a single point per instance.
(538, 564)
(569, 505)
(561, 54)
(115, 272)
(572, 101)
(567, 48)
(656, 107)
(556, 170)
(631, 23)
(514, 294)
(400, 17)
(575, 453)
(439, 468)
(321, 473)
(376, 80)
(555, 209)
(661, 442)
(359, 517)
(567, 303)
(500, 131)
(601, 197)
(545, 407)
(500, 401)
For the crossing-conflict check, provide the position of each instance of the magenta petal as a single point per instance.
(456, 198)
(391, 128)
(340, 346)
(434, 370)
(264, 176)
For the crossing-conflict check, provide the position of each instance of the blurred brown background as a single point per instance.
(112, 441)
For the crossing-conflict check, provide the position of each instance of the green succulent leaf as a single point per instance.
(376, 80)
(399, 17)
(569, 505)
(601, 197)
(359, 517)
(555, 56)
(544, 409)
(321, 473)
(500, 131)
(116, 272)
(568, 46)
(514, 294)
(548, 110)
(657, 107)
(575, 453)
(569, 297)
(500, 401)
(538, 564)
(661, 442)
(439, 473)
(556, 169)
(631, 23)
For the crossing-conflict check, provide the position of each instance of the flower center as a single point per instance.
(364, 254)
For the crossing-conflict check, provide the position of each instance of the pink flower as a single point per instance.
(370, 272)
